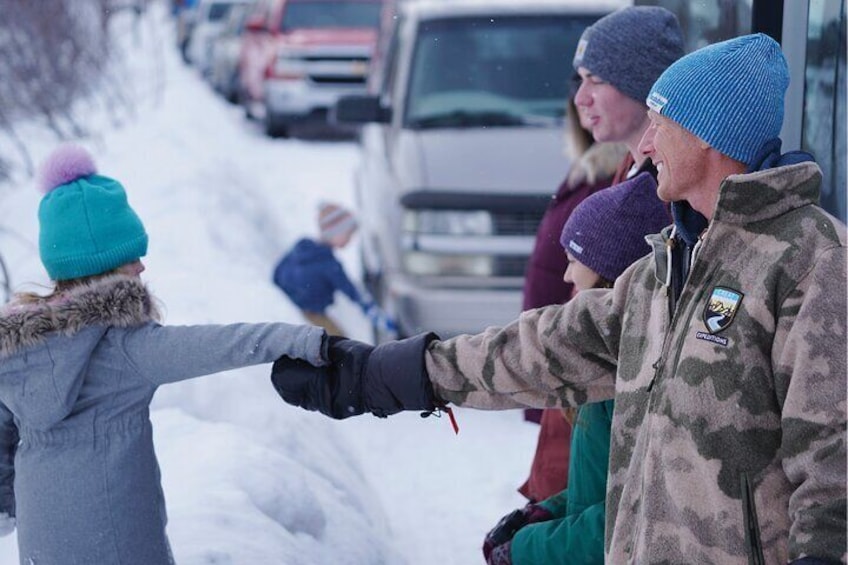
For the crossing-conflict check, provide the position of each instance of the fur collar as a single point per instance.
(598, 162)
(116, 300)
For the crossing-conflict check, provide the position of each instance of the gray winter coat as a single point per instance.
(77, 465)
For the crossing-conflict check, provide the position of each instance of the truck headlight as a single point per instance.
(438, 265)
(435, 243)
(448, 222)
(287, 66)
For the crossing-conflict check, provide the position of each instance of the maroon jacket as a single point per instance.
(543, 285)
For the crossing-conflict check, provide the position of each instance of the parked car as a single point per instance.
(461, 153)
(224, 76)
(299, 56)
(209, 18)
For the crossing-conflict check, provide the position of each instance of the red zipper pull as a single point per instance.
(452, 418)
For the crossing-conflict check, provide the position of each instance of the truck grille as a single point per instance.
(335, 58)
(513, 215)
(338, 79)
(517, 223)
(509, 266)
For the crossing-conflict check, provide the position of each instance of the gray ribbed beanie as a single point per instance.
(631, 47)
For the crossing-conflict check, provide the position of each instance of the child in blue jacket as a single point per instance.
(310, 274)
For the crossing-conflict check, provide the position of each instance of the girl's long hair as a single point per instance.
(60, 287)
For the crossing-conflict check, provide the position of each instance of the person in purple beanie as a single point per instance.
(602, 237)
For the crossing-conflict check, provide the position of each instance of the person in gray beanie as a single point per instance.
(618, 58)
(724, 349)
(616, 61)
(630, 48)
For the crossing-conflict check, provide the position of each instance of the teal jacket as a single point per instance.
(576, 534)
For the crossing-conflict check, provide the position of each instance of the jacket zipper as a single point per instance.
(673, 318)
(753, 544)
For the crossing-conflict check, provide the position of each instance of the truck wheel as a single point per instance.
(274, 128)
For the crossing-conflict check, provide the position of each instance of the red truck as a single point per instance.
(299, 56)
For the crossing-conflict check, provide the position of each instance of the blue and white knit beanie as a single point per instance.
(334, 221)
(630, 48)
(729, 94)
(606, 231)
(86, 225)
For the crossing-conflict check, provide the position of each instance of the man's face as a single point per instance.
(606, 112)
(678, 156)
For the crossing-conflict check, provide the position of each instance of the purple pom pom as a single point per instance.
(67, 163)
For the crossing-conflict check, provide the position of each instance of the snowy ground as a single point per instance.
(248, 479)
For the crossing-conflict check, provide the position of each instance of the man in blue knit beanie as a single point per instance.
(725, 349)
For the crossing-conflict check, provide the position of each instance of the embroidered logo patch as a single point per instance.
(657, 102)
(580, 51)
(721, 308)
(575, 247)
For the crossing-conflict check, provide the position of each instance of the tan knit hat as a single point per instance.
(334, 221)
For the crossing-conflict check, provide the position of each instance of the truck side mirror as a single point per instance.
(360, 109)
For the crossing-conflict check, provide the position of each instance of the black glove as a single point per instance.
(359, 378)
(501, 555)
(505, 529)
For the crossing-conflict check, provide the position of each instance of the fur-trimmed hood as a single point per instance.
(599, 161)
(118, 300)
(46, 346)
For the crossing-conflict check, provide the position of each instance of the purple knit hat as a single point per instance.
(606, 232)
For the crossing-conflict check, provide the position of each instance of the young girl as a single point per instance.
(78, 368)
(602, 237)
(593, 166)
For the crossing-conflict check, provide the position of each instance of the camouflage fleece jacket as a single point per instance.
(728, 437)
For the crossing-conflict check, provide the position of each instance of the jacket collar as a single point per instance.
(763, 195)
(743, 199)
(598, 163)
(116, 300)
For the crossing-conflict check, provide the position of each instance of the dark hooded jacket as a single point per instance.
(310, 275)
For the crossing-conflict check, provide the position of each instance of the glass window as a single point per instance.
(218, 11)
(823, 132)
(492, 71)
(306, 15)
(235, 19)
(708, 21)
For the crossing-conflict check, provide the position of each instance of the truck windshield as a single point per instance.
(309, 15)
(502, 71)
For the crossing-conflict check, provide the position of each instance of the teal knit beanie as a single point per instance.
(86, 225)
(729, 94)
